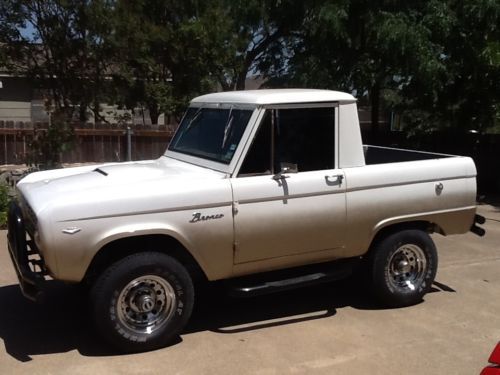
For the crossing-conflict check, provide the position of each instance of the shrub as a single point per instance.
(48, 144)
(4, 205)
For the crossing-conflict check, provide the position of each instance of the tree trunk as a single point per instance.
(375, 104)
(82, 113)
(97, 116)
(154, 113)
(241, 80)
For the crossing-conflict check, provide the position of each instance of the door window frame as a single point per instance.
(259, 121)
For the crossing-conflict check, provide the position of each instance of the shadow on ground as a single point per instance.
(59, 324)
(62, 324)
(491, 199)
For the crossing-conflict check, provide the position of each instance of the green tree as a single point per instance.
(249, 37)
(161, 47)
(4, 204)
(465, 95)
(66, 54)
(437, 62)
(365, 47)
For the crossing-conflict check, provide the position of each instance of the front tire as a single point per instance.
(142, 302)
(403, 267)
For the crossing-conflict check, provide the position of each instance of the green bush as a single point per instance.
(4, 205)
(48, 144)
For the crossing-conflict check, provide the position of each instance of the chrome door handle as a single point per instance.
(280, 177)
(335, 179)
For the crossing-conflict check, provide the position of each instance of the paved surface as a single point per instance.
(328, 329)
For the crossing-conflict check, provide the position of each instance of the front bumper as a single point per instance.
(27, 260)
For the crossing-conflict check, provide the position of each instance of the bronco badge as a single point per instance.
(197, 216)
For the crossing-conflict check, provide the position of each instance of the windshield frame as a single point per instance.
(212, 164)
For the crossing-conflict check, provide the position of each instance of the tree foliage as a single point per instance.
(364, 47)
(435, 61)
(465, 94)
(249, 37)
(4, 204)
(48, 144)
(160, 48)
(65, 52)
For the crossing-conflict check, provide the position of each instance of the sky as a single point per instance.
(27, 32)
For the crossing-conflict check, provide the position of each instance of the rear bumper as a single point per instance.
(28, 263)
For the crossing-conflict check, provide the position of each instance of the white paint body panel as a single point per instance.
(260, 224)
(276, 96)
(272, 221)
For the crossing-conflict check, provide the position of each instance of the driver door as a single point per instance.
(289, 197)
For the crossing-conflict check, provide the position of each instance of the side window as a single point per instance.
(305, 137)
(258, 160)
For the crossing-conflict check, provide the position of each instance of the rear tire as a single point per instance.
(403, 267)
(142, 302)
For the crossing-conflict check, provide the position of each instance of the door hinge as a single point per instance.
(235, 207)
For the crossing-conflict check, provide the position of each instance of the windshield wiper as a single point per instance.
(228, 126)
(195, 116)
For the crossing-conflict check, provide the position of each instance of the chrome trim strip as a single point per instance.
(161, 210)
(293, 196)
(305, 195)
(266, 199)
(348, 190)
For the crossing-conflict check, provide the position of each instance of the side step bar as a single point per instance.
(266, 285)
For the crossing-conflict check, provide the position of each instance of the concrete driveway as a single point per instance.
(327, 329)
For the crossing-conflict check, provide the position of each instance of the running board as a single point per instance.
(254, 286)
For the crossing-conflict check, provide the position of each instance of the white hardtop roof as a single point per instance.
(275, 96)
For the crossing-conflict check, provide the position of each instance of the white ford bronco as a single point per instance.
(253, 182)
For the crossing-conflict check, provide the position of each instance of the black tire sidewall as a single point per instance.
(384, 251)
(109, 286)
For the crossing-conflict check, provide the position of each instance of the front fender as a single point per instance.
(209, 242)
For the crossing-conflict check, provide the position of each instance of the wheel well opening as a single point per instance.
(121, 248)
(425, 226)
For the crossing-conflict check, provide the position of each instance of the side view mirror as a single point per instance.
(286, 168)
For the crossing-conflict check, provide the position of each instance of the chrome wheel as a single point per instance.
(407, 268)
(146, 304)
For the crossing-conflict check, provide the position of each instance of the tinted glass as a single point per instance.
(305, 137)
(211, 133)
(258, 159)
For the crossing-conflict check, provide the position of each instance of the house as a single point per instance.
(20, 101)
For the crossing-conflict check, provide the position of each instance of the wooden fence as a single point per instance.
(93, 143)
(108, 143)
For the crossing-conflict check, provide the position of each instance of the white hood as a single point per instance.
(116, 188)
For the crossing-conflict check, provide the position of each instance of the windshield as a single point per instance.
(211, 133)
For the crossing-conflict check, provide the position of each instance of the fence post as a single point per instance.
(129, 143)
